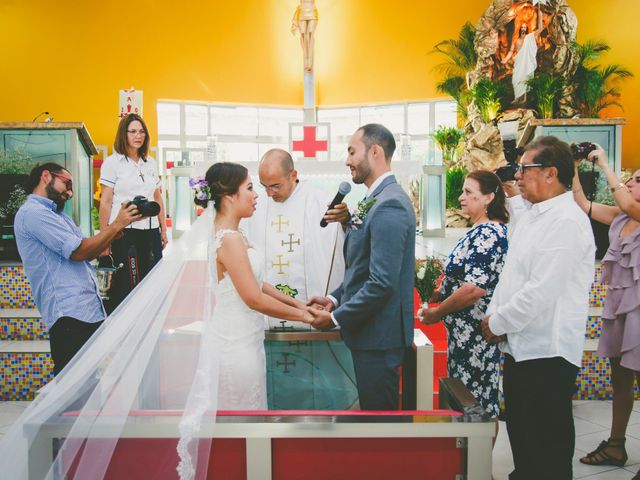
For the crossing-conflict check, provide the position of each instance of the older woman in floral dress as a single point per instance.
(471, 275)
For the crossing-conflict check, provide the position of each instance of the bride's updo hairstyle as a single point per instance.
(223, 178)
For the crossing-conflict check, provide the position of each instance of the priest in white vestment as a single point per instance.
(302, 259)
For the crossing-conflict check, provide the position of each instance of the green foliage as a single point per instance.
(461, 57)
(95, 219)
(455, 180)
(489, 96)
(596, 85)
(16, 162)
(546, 90)
(448, 139)
(16, 198)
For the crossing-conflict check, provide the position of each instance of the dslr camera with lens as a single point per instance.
(146, 208)
(581, 150)
(511, 154)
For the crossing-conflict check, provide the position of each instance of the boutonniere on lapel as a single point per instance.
(360, 213)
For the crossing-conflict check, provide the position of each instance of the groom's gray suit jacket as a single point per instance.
(375, 309)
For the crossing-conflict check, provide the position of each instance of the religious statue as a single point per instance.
(524, 47)
(304, 21)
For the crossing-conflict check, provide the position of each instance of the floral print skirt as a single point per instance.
(474, 361)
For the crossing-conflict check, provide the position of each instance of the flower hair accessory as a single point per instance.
(201, 188)
(359, 214)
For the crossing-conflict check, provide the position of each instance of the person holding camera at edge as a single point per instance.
(56, 258)
(620, 337)
(126, 174)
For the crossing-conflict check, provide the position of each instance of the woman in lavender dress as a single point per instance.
(620, 337)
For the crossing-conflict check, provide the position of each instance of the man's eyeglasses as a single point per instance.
(274, 188)
(67, 181)
(520, 167)
(135, 133)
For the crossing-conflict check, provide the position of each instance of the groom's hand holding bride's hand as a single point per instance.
(320, 308)
(322, 319)
(321, 303)
(307, 316)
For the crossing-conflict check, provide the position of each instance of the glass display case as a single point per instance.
(68, 144)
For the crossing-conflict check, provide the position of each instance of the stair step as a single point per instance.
(24, 346)
(19, 313)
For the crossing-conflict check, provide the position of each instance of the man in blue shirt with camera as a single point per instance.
(56, 258)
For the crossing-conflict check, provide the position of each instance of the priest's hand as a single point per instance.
(322, 319)
(340, 213)
(321, 303)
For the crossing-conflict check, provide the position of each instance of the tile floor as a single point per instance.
(592, 420)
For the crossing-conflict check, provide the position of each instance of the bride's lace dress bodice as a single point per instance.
(240, 332)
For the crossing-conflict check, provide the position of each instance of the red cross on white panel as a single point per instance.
(309, 145)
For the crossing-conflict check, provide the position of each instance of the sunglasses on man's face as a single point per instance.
(68, 183)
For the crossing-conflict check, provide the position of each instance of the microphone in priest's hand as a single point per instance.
(343, 189)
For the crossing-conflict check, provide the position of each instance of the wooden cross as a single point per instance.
(290, 242)
(280, 264)
(280, 223)
(286, 363)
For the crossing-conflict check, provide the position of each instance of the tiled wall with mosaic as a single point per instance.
(23, 374)
(594, 327)
(22, 329)
(598, 290)
(16, 291)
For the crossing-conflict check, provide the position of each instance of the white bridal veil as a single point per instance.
(152, 364)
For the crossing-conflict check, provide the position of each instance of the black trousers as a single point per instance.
(138, 251)
(66, 338)
(377, 378)
(538, 404)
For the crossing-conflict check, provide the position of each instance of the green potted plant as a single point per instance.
(489, 97)
(595, 85)
(546, 90)
(448, 139)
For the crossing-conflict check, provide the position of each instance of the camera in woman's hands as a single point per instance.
(581, 151)
(146, 208)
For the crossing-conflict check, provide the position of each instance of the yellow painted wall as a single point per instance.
(71, 58)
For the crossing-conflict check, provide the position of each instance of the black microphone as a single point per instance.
(343, 189)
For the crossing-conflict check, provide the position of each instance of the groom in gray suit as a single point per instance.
(374, 304)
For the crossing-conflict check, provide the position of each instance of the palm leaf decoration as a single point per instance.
(596, 85)
(546, 90)
(461, 57)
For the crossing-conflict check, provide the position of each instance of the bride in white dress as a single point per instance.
(241, 295)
